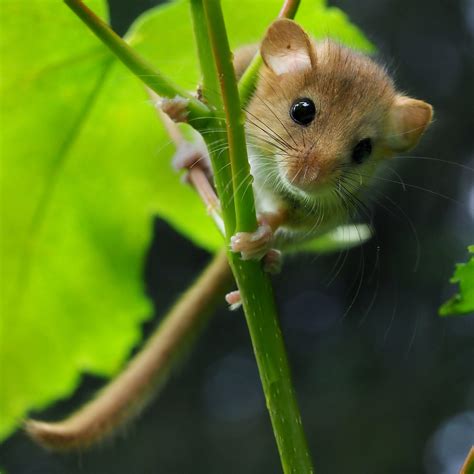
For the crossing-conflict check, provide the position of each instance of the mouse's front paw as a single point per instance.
(176, 108)
(252, 245)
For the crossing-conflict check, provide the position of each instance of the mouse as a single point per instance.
(322, 119)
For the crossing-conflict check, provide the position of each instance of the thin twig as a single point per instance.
(136, 63)
(195, 174)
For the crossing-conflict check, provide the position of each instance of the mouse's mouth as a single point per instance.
(308, 183)
(309, 192)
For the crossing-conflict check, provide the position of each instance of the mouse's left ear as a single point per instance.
(407, 121)
(287, 48)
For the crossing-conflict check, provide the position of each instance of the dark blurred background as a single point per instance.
(385, 385)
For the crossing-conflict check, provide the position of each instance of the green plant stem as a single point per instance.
(137, 64)
(235, 119)
(254, 285)
(210, 92)
(269, 349)
(210, 83)
(248, 81)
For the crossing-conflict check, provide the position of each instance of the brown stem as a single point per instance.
(468, 467)
(123, 398)
(196, 176)
(289, 9)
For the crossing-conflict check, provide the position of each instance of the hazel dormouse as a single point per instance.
(322, 119)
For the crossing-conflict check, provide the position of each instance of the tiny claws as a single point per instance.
(234, 300)
(252, 245)
(176, 108)
(189, 155)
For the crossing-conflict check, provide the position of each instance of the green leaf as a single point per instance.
(341, 238)
(323, 22)
(85, 168)
(462, 302)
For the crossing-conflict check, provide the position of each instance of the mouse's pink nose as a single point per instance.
(304, 176)
(309, 173)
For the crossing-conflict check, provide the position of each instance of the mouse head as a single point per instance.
(322, 113)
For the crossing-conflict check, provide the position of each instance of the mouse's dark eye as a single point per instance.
(303, 111)
(362, 151)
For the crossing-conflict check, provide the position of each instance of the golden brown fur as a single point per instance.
(297, 168)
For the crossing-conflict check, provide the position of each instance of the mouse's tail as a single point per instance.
(123, 398)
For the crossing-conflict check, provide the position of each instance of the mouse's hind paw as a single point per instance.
(272, 261)
(233, 300)
(190, 155)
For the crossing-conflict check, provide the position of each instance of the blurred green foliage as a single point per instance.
(462, 302)
(85, 169)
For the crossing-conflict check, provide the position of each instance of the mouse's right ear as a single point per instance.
(408, 119)
(287, 48)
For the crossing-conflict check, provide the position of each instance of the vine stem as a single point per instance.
(213, 131)
(254, 285)
(136, 63)
(468, 467)
(124, 397)
(246, 220)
